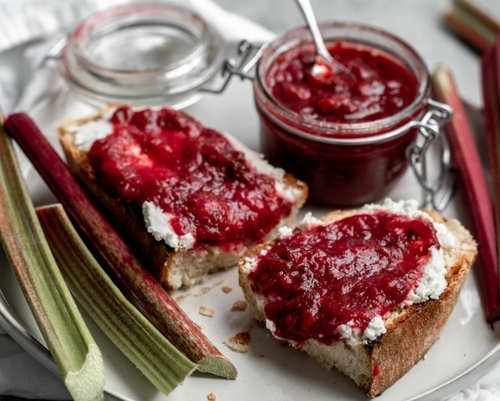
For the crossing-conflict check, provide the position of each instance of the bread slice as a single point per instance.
(410, 330)
(173, 268)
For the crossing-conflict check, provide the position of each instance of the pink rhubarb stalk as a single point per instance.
(474, 188)
(491, 96)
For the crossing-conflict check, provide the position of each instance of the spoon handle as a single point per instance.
(308, 13)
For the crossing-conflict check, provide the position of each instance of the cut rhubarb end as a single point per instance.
(109, 245)
(473, 24)
(473, 187)
(92, 370)
(218, 366)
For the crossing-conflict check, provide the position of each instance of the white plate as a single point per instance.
(465, 350)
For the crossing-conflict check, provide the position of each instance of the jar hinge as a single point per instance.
(248, 56)
(437, 186)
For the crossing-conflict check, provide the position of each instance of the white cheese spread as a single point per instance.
(433, 282)
(86, 134)
(309, 221)
(375, 329)
(158, 225)
(285, 232)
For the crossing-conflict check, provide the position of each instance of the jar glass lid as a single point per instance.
(145, 53)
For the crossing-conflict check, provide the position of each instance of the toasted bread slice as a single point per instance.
(174, 268)
(410, 330)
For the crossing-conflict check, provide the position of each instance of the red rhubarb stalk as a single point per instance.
(491, 97)
(106, 241)
(474, 188)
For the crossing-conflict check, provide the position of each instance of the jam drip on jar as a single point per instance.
(377, 86)
(192, 173)
(343, 273)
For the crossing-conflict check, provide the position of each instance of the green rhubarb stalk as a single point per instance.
(126, 327)
(103, 238)
(75, 352)
(491, 98)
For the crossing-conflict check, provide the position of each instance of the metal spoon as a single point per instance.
(321, 50)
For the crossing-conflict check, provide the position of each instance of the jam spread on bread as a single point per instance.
(194, 174)
(346, 272)
(377, 86)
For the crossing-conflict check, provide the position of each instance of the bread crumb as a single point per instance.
(240, 305)
(201, 326)
(206, 311)
(240, 342)
(227, 289)
(211, 397)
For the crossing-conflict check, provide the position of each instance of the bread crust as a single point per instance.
(173, 268)
(410, 330)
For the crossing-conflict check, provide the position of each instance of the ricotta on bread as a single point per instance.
(366, 291)
(189, 200)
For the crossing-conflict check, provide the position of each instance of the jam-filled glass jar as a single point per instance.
(356, 156)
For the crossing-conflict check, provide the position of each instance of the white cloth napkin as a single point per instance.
(27, 29)
(24, 21)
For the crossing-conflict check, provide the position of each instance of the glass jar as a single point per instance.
(344, 164)
(141, 54)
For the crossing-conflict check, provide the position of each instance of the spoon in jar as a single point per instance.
(323, 57)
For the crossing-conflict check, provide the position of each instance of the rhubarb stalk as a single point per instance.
(491, 96)
(474, 188)
(473, 24)
(126, 327)
(75, 352)
(105, 240)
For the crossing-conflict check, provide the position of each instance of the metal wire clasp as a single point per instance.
(437, 184)
(249, 54)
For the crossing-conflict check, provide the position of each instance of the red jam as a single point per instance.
(337, 175)
(351, 270)
(192, 173)
(377, 85)
(344, 134)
